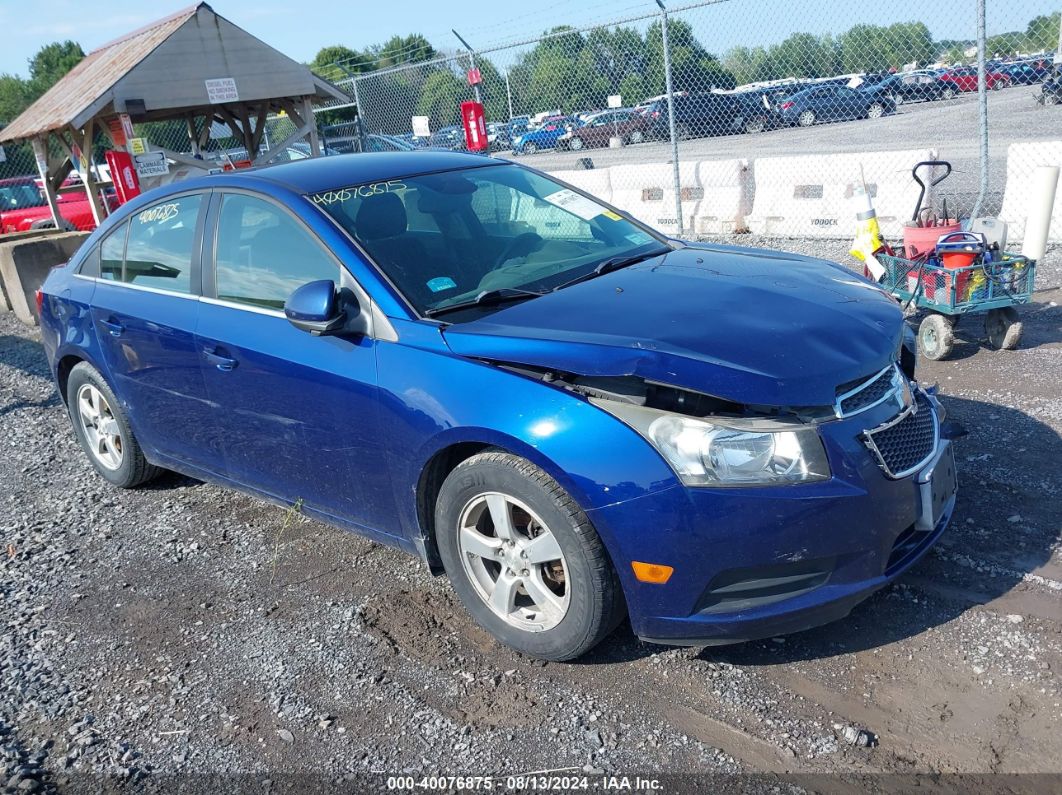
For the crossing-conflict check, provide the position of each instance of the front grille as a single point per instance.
(907, 442)
(857, 396)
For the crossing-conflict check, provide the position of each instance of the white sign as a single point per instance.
(574, 203)
(151, 164)
(421, 128)
(615, 101)
(221, 89)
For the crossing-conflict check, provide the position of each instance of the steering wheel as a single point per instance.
(524, 243)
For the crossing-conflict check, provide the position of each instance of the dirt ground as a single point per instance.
(186, 636)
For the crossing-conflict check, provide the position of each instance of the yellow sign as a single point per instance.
(612, 215)
(138, 146)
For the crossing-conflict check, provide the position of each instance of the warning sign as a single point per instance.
(151, 164)
(137, 146)
(221, 90)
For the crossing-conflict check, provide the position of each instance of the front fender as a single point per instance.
(432, 399)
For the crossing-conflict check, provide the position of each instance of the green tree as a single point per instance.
(1042, 32)
(397, 50)
(51, 62)
(441, 98)
(693, 68)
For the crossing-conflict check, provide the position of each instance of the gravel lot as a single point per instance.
(949, 127)
(184, 629)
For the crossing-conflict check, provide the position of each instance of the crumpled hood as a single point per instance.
(749, 325)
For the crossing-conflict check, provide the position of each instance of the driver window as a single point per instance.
(262, 254)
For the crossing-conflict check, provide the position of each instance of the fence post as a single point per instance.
(471, 64)
(509, 94)
(671, 114)
(358, 122)
(982, 103)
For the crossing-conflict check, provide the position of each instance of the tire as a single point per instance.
(756, 124)
(897, 99)
(636, 137)
(109, 444)
(575, 144)
(683, 132)
(1003, 328)
(586, 592)
(999, 84)
(876, 111)
(806, 118)
(530, 148)
(948, 93)
(935, 337)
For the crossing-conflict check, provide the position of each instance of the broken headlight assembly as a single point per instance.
(723, 451)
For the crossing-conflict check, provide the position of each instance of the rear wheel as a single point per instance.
(756, 124)
(683, 132)
(806, 118)
(575, 144)
(524, 559)
(935, 337)
(1003, 328)
(948, 93)
(876, 111)
(636, 137)
(897, 99)
(103, 429)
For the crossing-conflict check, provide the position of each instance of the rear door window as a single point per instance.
(161, 244)
(112, 254)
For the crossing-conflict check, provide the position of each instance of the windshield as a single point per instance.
(444, 238)
(19, 197)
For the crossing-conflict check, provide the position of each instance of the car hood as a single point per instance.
(749, 325)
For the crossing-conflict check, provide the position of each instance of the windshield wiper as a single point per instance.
(612, 264)
(500, 295)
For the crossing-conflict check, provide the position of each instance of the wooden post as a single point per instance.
(40, 153)
(310, 119)
(91, 188)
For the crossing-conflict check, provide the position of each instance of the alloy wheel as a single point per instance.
(514, 562)
(806, 119)
(637, 137)
(576, 143)
(102, 432)
(875, 111)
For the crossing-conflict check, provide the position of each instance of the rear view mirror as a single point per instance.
(317, 307)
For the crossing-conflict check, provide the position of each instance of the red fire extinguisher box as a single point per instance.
(475, 127)
(126, 183)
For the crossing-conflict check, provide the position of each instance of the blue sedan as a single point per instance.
(544, 136)
(572, 417)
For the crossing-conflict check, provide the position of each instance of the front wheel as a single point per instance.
(575, 144)
(524, 559)
(948, 93)
(935, 337)
(876, 111)
(756, 124)
(636, 137)
(530, 148)
(806, 118)
(103, 429)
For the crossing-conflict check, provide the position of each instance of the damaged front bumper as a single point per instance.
(757, 562)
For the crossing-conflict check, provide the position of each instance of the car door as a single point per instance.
(145, 310)
(296, 414)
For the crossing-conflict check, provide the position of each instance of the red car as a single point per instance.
(964, 78)
(22, 207)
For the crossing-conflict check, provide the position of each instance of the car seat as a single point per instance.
(381, 226)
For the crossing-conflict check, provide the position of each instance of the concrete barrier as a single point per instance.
(647, 192)
(595, 181)
(810, 195)
(24, 264)
(1022, 160)
(726, 202)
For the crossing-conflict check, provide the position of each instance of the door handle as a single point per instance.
(216, 358)
(114, 328)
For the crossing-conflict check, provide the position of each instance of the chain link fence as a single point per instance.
(721, 117)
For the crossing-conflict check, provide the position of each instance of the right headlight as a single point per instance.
(728, 452)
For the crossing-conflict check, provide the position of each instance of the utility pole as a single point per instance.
(671, 114)
(982, 103)
(471, 62)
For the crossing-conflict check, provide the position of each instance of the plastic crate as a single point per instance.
(974, 288)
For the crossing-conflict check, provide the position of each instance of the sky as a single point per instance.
(299, 30)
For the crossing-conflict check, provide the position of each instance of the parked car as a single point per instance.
(498, 137)
(452, 137)
(834, 103)
(23, 207)
(963, 79)
(571, 416)
(544, 136)
(1027, 73)
(920, 86)
(625, 123)
(711, 113)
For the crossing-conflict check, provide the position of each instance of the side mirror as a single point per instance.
(320, 309)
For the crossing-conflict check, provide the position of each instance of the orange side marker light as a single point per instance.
(656, 573)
